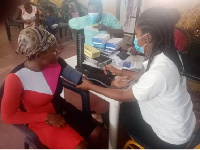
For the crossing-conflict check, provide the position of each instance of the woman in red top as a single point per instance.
(37, 85)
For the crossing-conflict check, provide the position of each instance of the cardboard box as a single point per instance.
(101, 38)
(114, 43)
(91, 52)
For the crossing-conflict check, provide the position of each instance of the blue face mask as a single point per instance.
(94, 18)
(137, 47)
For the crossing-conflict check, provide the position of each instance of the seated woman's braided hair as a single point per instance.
(160, 23)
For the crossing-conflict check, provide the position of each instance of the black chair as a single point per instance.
(31, 138)
(64, 11)
(8, 23)
(82, 11)
(135, 143)
(62, 24)
(67, 15)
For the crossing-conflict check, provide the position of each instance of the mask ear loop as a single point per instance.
(141, 36)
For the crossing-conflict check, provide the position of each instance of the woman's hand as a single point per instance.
(86, 85)
(56, 120)
(120, 82)
(112, 69)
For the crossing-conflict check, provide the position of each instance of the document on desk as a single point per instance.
(136, 62)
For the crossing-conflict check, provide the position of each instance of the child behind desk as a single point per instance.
(51, 23)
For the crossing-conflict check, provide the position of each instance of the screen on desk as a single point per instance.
(80, 40)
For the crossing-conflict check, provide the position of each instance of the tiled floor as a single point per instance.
(10, 137)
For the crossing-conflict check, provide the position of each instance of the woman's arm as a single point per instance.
(129, 74)
(116, 94)
(70, 73)
(118, 33)
(10, 112)
(78, 23)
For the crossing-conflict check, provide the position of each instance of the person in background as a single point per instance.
(73, 11)
(96, 19)
(157, 109)
(37, 85)
(27, 14)
(51, 23)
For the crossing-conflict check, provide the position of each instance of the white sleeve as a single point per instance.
(150, 85)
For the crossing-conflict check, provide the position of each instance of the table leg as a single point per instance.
(114, 109)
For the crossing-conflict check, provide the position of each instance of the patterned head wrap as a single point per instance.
(34, 40)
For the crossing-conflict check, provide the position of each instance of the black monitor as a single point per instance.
(95, 75)
(80, 40)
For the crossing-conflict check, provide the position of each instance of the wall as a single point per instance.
(189, 19)
(57, 2)
(189, 9)
(179, 4)
(128, 27)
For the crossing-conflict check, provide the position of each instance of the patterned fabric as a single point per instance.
(190, 18)
(34, 40)
(74, 11)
